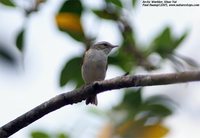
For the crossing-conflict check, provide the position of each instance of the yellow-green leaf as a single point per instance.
(39, 134)
(155, 131)
(69, 22)
(7, 3)
(68, 19)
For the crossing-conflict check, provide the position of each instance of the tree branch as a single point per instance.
(82, 93)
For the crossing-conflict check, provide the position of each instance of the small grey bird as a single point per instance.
(95, 65)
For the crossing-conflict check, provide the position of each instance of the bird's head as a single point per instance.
(104, 46)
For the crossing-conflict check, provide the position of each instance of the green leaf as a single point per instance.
(131, 102)
(116, 2)
(20, 40)
(39, 134)
(134, 2)
(72, 72)
(164, 40)
(158, 110)
(159, 105)
(72, 6)
(62, 135)
(119, 60)
(133, 98)
(104, 14)
(7, 3)
(179, 40)
(7, 56)
(163, 43)
(161, 99)
(124, 57)
(68, 19)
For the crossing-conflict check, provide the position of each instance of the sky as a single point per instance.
(47, 50)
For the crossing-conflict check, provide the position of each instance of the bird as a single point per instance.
(94, 67)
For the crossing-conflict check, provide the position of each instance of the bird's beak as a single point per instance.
(113, 46)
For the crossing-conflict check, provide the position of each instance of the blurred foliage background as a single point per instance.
(134, 117)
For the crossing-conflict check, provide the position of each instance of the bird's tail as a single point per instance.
(92, 100)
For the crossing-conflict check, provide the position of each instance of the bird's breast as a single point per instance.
(94, 66)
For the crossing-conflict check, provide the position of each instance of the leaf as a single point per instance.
(125, 127)
(62, 135)
(7, 56)
(39, 134)
(163, 43)
(68, 19)
(7, 3)
(119, 59)
(105, 14)
(133, 98)
(179, 40)
(20, 40)
(72, 72)
(158, 110)
(165, 36)
(125, 53)
(159, 105)
(71, 24)
(116, 2)
(162, 99)
(72, 6)
(131, 102)
(154, 131)
(134, 2)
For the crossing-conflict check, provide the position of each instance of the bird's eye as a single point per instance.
(105, 44)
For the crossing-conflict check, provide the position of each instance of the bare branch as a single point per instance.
(82, 93)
